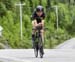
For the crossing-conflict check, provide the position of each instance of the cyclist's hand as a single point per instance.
(37, 25)
(40, 24)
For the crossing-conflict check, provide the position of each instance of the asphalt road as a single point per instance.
(27, 55)
(64, 52)
(68, 44)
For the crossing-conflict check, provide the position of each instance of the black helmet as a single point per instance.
(39, 8)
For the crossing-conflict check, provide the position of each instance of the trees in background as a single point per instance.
(9, 19)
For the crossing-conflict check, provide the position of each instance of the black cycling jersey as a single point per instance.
(35, 16)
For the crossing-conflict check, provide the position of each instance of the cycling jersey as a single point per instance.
(35, 16)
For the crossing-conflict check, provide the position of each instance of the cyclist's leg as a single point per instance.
(33, 32)
(42, 30)
(42, 34)
(33, 39)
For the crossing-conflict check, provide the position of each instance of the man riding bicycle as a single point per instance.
(38, 17)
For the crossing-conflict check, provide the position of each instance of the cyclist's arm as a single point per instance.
(35, 22)
(43, 17)
(43, 23)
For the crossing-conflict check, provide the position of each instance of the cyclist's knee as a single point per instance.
(42, 31)
(33, 30)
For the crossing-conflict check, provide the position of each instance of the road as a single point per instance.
(68, 44)
(27, 55)
(64, 52)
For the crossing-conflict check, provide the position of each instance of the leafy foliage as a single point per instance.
(9, 20)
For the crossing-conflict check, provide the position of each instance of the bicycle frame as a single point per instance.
(39, 43)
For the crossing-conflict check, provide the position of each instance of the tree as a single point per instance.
(2, 9)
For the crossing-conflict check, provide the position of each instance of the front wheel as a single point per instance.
(41, 52)
(41, 47)
(36, 52)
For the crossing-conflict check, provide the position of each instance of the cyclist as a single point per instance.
(38, 17)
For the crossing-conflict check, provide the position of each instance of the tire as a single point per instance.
(41, 53)
(41, 47)
(36, 50)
